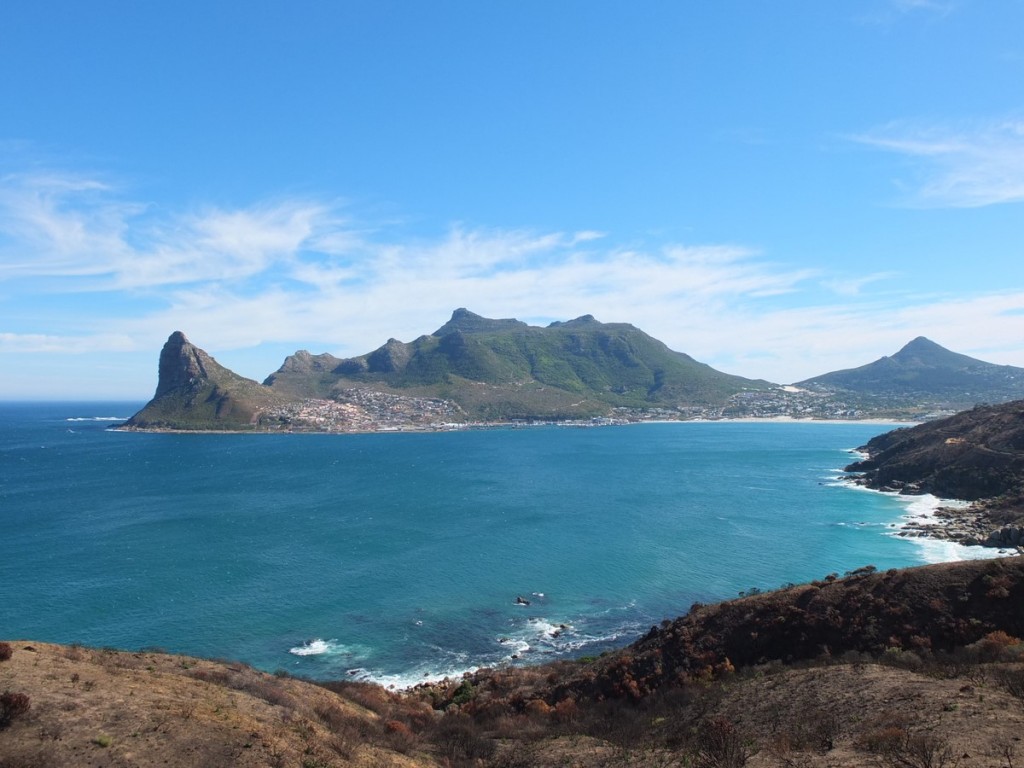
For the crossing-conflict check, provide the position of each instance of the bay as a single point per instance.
(399, 557)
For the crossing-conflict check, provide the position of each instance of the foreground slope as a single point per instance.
(920, 667)
(110, 708)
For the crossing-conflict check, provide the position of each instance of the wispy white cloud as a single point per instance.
(889, 12)
(64, 227)
(931, 6)
(962, 166)
(854, 286)
(300, 273)
(34, 343)
(60, 225)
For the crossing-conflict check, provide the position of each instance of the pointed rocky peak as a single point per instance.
(468, 322)
(181, 364)
(194, 391)
(921, 346)
(184, 366)
(924, 352)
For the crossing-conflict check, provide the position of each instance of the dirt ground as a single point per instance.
(108, 708)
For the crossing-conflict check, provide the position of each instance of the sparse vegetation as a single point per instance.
(12, 705)
(901, 669)
(103, 740)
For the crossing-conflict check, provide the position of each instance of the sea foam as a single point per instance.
(320, 647)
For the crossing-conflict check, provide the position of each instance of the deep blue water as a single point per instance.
(402, 555)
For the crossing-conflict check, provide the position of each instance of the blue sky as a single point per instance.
(779, 190)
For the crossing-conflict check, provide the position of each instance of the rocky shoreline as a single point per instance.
(972, 524)
(969, 525)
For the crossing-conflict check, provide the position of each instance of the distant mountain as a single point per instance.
(925, 372)
(471, 368)
(475, 369)
(194, 391)
(499, 369)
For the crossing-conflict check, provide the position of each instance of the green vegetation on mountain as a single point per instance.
(476, 369)
(195, 392)
(507, 369)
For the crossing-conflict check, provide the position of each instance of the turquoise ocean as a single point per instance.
(399, 557)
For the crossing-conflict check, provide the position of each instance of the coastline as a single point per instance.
(950, 529)
(490, 425)
(963, 528)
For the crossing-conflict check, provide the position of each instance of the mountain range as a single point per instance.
(475, 369)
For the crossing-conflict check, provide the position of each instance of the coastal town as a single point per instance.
(370, 410)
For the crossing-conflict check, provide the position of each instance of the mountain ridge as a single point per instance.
(474, 369)
(926, 370)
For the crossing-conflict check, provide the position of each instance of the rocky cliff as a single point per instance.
(976, 454)
(194, 391)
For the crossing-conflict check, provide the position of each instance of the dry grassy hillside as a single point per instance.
(920, 668)
(109, 708)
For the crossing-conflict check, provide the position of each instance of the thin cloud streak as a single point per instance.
(36, 343)
(301, 273)
(958, 167)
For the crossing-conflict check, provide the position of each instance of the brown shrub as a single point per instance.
(459, 741)
(12, 705)
(372, 697)
(720, 745)
(1012, 680)
(399, 736)
(566, 711)
(923, 749)
(537, 708)
(994, 645)
(6, 651)
(213, 676)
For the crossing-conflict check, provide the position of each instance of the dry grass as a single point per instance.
(836, 674)
(110, 708)
(107, 708)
